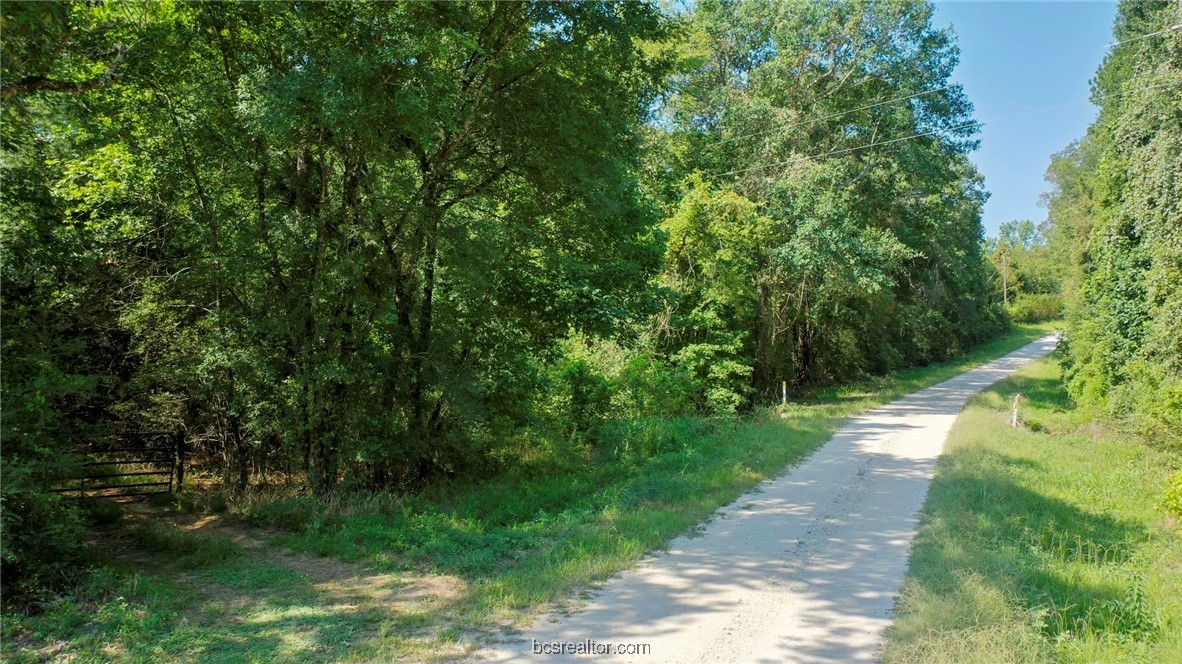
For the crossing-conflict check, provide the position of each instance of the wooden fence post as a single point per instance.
(179, 450)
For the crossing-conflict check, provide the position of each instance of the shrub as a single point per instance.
(718, 375)
(589, 392)
(1150, 395)
(41, 532)
(40, 539)
(646, 386)
(1035, 308)
(1172, 500)
(643, 438)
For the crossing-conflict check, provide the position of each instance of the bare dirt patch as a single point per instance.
(340, 586)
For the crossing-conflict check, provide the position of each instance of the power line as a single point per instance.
(922, 93)
(839, 114)
(1145, 36)
(833, 153)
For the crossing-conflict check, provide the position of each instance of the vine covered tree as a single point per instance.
(1115, 210)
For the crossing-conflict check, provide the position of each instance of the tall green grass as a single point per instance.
(1047, 542)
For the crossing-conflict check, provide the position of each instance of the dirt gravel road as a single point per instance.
(804, 569)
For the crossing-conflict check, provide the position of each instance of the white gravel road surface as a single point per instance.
(804, 569)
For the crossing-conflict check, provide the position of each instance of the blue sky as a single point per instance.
(1017, 57)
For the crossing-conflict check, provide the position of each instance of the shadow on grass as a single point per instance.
(1023, 543)
(1044, 393)
(284, 607)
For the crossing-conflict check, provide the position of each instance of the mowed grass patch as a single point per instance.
(501, 549)
(1046, 542)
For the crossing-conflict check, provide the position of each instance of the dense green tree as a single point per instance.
(337, 236)
(1023, 259)
(390, 212)
(836, 127)
(1115, 211)
(60, 338)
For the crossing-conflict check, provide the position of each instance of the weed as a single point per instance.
(100, 512)
(187, 550)
(1133, 616)
(1172, 499)
(1052, 539)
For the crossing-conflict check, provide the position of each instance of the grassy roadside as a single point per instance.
(1044, 543)
(443, 567)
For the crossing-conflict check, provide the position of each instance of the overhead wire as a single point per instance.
(922, 93)
(1145, 36)
(838, 114)
(833, 153)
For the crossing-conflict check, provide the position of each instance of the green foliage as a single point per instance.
(646, 386)
(792, 252)
(599, 385)
(1172, 500)
(714, 241)
(324, 241)
(351, 257)
(1036, 307)
(1115, 219)
(1153, 395)
(1132, 617)
(1022, 258)
(58, 331)
(588, 395)
(42, 536)
(501, 545)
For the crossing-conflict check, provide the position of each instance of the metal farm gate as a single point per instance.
(143, 463)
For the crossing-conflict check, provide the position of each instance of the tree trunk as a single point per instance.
(763, 370)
